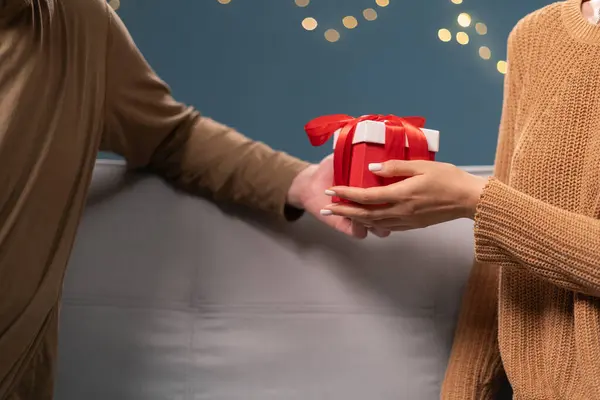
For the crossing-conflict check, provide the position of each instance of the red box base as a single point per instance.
(364, 154)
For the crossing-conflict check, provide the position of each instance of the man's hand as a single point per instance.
(433, 193)
(308, 192)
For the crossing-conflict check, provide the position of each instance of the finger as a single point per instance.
(390, 223)
(402, 228)
(400, 168)
(374, 195)
(358, 230)
(382, 233)
(384, 225)
(363, 214)
(347, 226)
(377, 231)
(343, 225)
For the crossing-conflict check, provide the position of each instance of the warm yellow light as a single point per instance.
(115, 4)
(462, 38)
(464, 20)
(310, 24)
(485, 52)
(350, 22)
(331, 35)
(502, 67)
(444, 35)
(481, 28)
(302, 3)
(382, 3)
(370, 14)
(224, 1)
(457, 1)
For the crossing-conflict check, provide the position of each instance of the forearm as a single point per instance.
(203, 155)
(514, 230)
(149, 128)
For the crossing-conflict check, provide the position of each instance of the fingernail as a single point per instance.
(326, 212)
(330, 192)
(375, 167)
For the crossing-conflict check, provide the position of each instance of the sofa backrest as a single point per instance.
(169, 296)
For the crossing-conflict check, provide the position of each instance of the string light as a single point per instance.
(502, 66)
(114, 4)
(464, 20)
(331, 35)
(444, 35)
(370, 14)
(481, 28)
(485, 52)
(462, 38)
(310, 24)
(350, 22)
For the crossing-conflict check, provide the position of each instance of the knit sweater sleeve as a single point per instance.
(150, 129)
(515, 230)
(475, 368)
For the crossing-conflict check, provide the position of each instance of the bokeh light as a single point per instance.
(481, 28)
(331, 35)
(310, 24)
(485, 52)
(444, 35)
(464, 20)
(502, 67)
(370, 14)
(462, 38)
(350, 22)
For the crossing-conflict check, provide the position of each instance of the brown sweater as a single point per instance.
(532, 304)
(73, 82)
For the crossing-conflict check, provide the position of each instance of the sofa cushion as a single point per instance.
(169, 296)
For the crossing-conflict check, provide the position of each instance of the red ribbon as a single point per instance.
(398, 130)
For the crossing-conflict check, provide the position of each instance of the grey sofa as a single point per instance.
(169, 296)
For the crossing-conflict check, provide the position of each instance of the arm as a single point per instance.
(150, 129)
(475, 367)
(514, 230)
(560, 246)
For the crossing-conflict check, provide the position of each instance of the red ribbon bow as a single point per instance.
(398, 131)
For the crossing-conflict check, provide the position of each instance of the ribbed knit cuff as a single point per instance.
(498, 218)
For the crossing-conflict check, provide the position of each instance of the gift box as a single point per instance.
(361, 141)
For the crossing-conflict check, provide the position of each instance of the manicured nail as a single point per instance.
(375, 167)
(330, 192)
(326, 212)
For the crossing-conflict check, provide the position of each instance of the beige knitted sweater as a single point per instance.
(532, 305)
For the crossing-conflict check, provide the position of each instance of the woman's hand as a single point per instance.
(433, 193)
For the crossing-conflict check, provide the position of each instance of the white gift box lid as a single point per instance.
(374, 132)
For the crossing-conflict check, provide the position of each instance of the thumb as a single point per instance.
(402, 168)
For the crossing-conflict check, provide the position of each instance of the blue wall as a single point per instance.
(250, 64)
